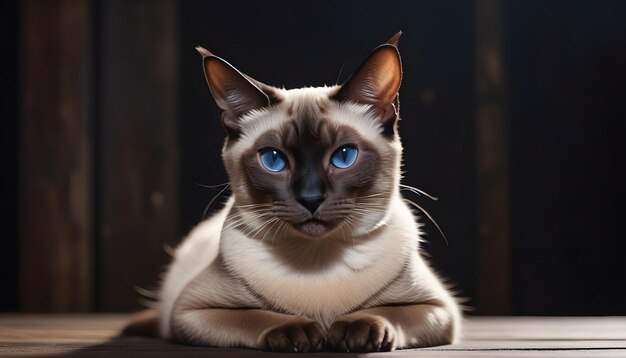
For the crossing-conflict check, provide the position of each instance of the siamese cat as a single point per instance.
(316, 248)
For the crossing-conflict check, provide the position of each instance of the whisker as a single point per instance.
(285, 231)
(372, 195)
(348, 221)
(343, 234)
(280, 225)
(273, 221)
(281, 229)
(254, 233)
(417, 191)
(429, 217)
(211, 186)
(206, 210)
(250, 211)
(368, 208)
(254, 205)
(248, 229)
(241, 220)
(252, 214)
(236, 220)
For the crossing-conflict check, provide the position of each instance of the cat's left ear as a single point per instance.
(377, 81)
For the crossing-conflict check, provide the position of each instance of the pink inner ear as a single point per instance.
(232, 91)
(389, 79)
(378, 79)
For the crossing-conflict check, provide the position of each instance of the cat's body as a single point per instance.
(316, 248)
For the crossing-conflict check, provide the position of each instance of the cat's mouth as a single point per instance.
(315, 227)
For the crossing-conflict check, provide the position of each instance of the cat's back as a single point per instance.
(195, 253)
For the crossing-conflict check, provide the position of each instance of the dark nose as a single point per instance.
(310, 189)
(311, 202)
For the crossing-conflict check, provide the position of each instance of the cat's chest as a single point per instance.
(322, 293)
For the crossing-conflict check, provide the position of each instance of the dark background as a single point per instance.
(513, 115)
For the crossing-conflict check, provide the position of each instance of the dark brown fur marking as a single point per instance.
(308, 143)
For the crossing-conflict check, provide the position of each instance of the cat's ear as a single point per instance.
(395, 39)
(377, 81)
(234, 93)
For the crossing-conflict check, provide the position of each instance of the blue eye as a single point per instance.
(345, 156)
(272, 159)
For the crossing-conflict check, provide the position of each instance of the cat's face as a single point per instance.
(316, 167)
(315, 162)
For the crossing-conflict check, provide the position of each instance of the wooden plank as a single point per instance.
(118, 348)
(94, 335)
(493, 294)
(545, 328)
(55, 176)
(475, 328)
(137, 172)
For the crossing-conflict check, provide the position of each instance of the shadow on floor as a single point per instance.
(139, 347)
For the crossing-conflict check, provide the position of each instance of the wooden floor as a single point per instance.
(94, 336)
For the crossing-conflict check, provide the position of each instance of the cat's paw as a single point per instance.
(363, 334)
(298, 335)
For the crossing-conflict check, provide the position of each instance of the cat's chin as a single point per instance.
(315, 229)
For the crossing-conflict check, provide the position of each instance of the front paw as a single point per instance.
(298, 335)
(363, 334)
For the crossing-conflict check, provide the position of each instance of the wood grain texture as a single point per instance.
(55, 167)
(493, 288)
(137, 172)
(95, 335)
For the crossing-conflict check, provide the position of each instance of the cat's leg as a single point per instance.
(386, 328)
(247, 328)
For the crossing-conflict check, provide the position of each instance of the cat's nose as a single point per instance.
(310, 190)
(311, 202)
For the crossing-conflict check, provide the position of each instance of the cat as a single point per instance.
(315, 249)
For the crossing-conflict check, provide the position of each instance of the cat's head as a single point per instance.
(316, 162)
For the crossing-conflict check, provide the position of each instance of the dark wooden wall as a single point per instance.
(512, 115)
(137, 187)
(98, 165)
(56, 162)
(567, 128)
(493, 292)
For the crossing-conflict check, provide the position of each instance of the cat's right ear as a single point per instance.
(234, 93)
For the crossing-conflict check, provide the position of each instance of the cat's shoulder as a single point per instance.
(204, 236)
